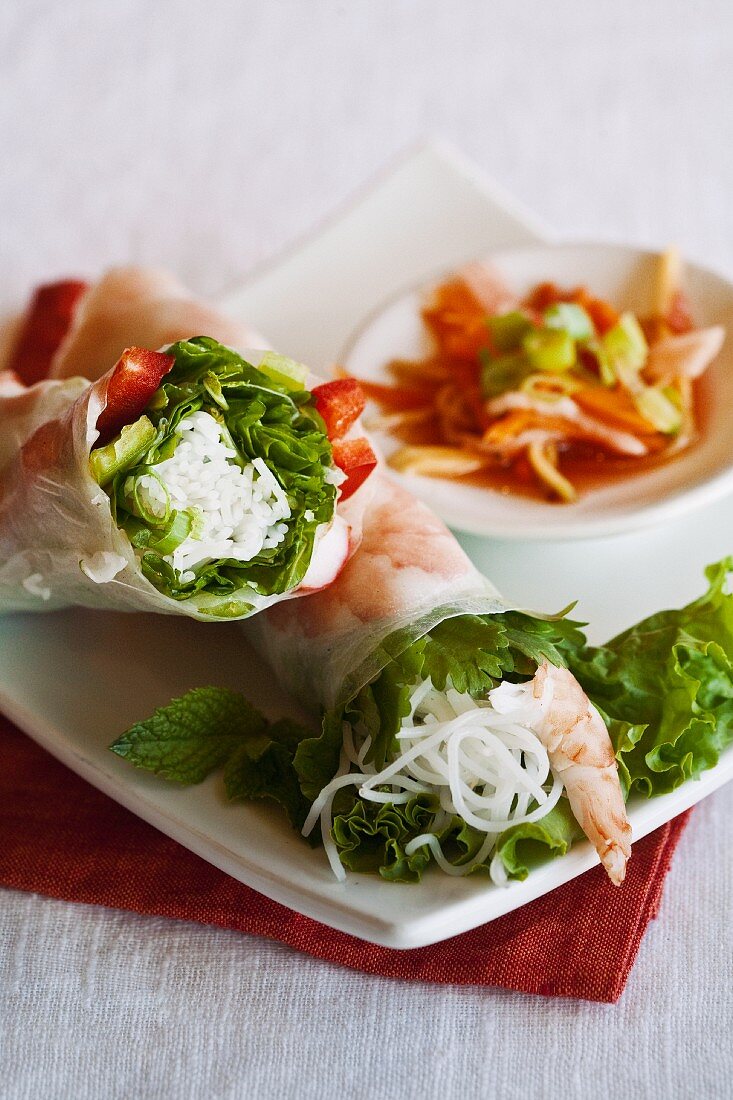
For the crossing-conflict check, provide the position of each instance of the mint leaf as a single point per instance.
(191, 736)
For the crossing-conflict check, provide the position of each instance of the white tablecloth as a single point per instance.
(203, 138)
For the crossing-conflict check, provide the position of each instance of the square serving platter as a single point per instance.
(74, 680)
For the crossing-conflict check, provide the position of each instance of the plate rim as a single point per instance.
(335, 911)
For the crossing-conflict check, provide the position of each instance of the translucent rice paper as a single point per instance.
(408, 575)
(58, 542)
(25, 408)
(144, 308)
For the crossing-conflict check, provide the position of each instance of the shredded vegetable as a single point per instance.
(608, 390)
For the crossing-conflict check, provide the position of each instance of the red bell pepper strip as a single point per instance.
(357, 460)
(135, 378)
(46, 322)
(340, 403)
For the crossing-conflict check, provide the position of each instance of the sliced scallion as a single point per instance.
(175, 532)
(509, 329)
(286, 372)
(656, 407)
(502, 373)
(550, 350)
(571, 318)
(625, 348)
(145, 495)
(125, 451)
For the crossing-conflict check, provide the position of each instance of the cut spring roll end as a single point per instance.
(464, 743)
(222, 474)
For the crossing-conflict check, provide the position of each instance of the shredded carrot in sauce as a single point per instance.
(537, 392)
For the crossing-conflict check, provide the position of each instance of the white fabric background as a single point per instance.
(204, 137)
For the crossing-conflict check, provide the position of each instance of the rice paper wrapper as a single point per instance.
(408, 575)
(59, 545)
(58, 542)
(140, 307)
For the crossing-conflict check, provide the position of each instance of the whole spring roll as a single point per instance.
(177, 474)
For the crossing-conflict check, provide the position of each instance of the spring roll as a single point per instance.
(163, 470)
(183, 476)
(139, 307)
(450, 719)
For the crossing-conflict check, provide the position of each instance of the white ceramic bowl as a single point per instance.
(625, 276)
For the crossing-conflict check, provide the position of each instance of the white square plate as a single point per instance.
(74, 680)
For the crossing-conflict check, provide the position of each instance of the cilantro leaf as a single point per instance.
(534, 639)
(191, 736)
(470, 650)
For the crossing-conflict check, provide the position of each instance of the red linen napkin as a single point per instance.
(63, 838)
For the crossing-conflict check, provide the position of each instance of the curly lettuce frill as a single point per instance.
(664, 688)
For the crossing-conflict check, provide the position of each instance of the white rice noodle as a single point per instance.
(480, 757)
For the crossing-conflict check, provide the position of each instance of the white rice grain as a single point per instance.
(242, 510)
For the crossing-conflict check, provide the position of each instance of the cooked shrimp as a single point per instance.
(580, 751)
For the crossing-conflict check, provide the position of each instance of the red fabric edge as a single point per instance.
(64, 839)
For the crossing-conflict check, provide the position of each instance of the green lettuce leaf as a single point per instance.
(262, 767)
(391, 695)
(372, 837)
(316, 760)
(525, 846)
(665, 688)
(262, 419)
